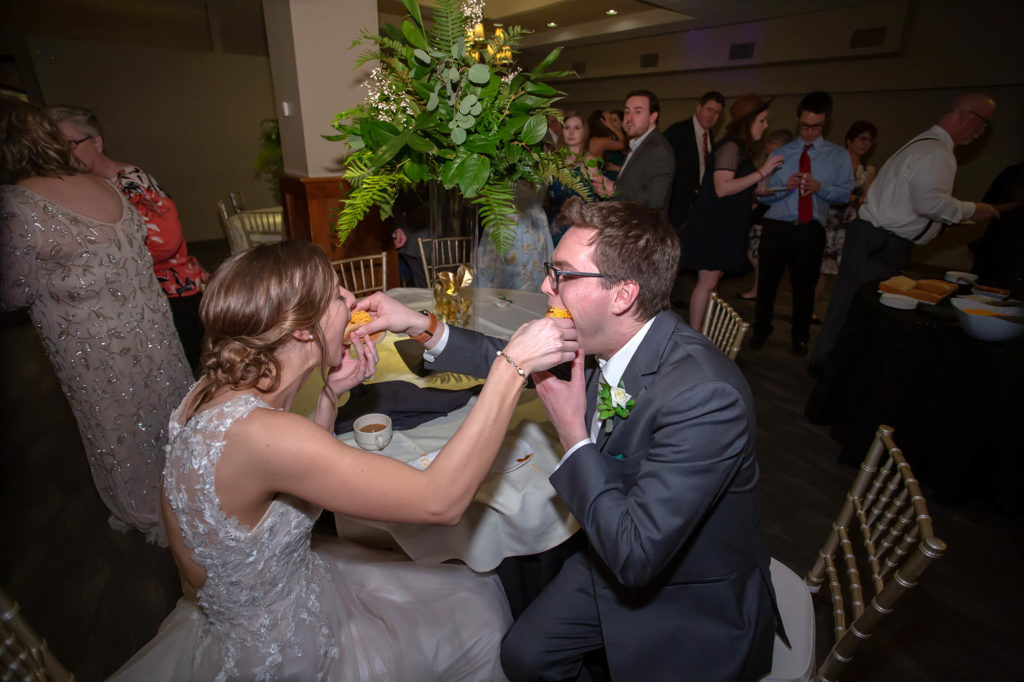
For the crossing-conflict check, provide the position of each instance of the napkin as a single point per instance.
(408, 405)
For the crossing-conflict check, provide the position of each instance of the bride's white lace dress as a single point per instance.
(273, 608)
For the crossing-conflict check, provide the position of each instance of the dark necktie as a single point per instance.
(805, 205)
(707, 147)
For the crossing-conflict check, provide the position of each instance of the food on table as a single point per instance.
(992, 290)
(927, 290)
(992, 313)
(560, 313)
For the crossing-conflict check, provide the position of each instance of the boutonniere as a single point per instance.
(611, 402)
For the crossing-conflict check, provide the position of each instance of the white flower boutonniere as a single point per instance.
(613, 402)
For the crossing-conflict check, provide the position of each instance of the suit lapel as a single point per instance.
(645, 362)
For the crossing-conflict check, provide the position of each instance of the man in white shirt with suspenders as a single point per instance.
(910, 203)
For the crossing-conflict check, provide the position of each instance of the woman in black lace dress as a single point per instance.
(715, 238)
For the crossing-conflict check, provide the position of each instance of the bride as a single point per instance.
(245, 480)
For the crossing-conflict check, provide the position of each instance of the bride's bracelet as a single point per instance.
(509, 360)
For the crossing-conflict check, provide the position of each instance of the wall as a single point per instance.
(948, 48)
(191, 119)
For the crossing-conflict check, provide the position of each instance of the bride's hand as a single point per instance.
(543, 343)
(357, 365)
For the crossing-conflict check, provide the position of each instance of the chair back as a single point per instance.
(262, 225)
(363, 275)
(237, 201)
(724, 326)
(445, 253)
(896, 545)
(237, 240)
(23, 654)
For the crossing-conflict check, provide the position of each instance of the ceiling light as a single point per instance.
(611, 12)
(552, 24)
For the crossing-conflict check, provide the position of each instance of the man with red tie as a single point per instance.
(691, 141)
(815, 174)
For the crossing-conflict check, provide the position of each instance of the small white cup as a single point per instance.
(373, 431)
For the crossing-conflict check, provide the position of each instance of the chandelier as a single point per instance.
(477, 43)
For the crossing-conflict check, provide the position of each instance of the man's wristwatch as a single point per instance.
(431, 328)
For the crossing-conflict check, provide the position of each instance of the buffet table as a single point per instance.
(954, 402)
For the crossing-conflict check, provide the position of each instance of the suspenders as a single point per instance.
(928, 226)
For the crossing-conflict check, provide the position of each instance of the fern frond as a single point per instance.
(374, 190)
(496, 202)
(449, 26)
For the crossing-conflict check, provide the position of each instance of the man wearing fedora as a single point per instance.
(815, 174)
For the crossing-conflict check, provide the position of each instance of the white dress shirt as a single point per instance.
(633, 144)
(698, 134)
(612, 370)
(912, 196)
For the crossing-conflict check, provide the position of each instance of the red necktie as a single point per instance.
(707, 147)
(805, 205)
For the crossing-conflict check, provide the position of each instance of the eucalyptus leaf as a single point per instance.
(458, 135)
(421, 56)
(476, 109)
(471, 99)
(535, 129)
(480, 74)
(467, 122)
(465, 106)
(414, 35)
(432, 102)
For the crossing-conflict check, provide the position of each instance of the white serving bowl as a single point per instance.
(991, 294)
(986, 327)
(958, 277)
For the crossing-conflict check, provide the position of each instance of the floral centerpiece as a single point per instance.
(444, 108)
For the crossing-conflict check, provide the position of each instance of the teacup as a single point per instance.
(373, 431)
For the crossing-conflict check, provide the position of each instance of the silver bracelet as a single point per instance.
(502, 354)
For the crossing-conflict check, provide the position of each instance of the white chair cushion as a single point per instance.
(790, 664)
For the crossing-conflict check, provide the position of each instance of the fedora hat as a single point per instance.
(749, 104)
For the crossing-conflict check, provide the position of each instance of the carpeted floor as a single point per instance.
(98, 595)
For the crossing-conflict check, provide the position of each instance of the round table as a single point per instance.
(954, 402)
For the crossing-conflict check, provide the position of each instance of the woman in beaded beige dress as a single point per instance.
(73, 252)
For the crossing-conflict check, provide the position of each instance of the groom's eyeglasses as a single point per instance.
(554, 274)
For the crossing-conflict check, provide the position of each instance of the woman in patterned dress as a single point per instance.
(179, 273)
(73, 252)
(859, 140)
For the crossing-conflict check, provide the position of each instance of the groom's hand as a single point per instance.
(566, 402)
(389, 314)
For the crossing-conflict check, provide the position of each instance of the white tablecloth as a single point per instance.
(513, 513)
(499, 311)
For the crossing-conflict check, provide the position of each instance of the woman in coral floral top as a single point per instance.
(180, 274)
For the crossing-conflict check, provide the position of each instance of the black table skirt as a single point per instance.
(956, 403)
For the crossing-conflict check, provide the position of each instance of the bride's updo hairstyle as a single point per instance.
(252, 305)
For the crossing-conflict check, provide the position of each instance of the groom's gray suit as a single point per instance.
(675, 580)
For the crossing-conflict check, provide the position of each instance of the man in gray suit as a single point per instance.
(646, 176)
(673, 580)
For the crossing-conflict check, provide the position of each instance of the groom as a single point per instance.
(673, 581)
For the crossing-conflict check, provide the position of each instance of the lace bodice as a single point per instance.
(275, 608)
(257, 578)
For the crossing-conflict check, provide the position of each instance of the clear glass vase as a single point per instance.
(454, 232)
